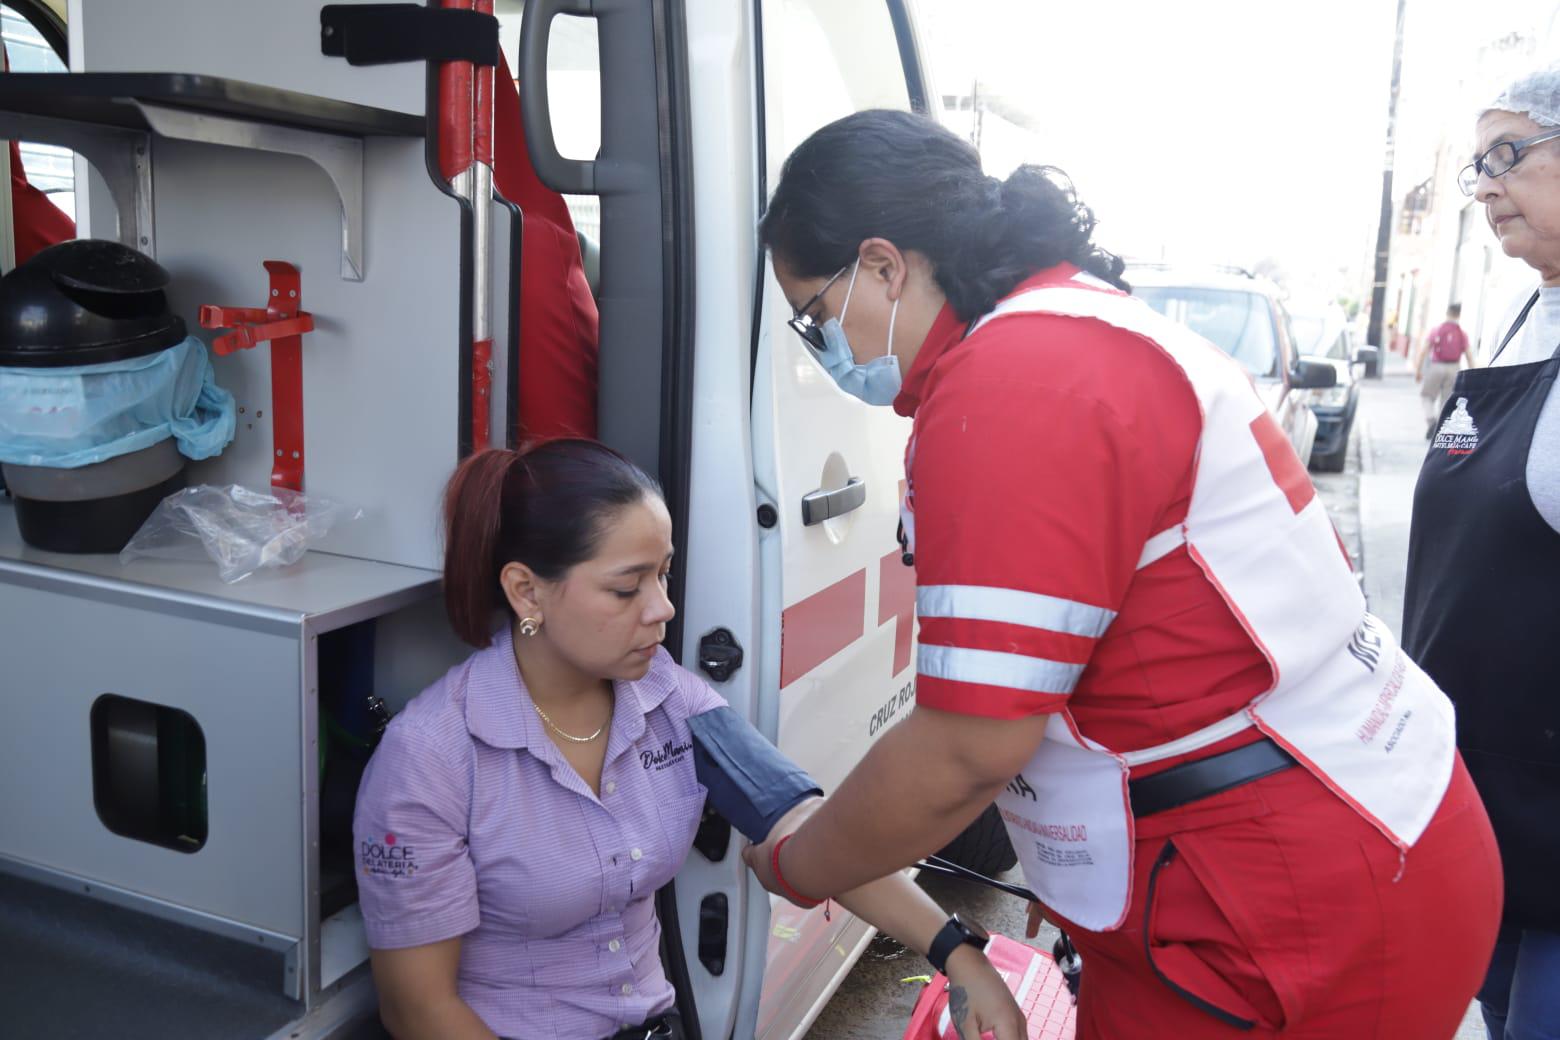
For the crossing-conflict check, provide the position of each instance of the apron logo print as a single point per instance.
(1366, 645)
(1458, 434)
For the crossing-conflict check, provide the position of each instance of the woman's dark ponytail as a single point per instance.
(472, 505)
(546, 507)
(905, 178)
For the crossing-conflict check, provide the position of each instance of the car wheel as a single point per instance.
(983, 846)
(1330, 463)
(1334, 462)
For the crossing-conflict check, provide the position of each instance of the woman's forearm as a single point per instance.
(449, 1018)
(897, 905)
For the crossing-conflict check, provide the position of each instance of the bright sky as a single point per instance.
(1217, 130)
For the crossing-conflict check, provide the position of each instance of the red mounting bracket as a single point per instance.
(283, 324)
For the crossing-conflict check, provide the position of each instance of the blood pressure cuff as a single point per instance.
(749, 781)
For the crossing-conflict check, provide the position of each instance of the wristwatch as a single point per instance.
(953, 935)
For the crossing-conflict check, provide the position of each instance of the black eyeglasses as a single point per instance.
(801, 322)
(1498, 161)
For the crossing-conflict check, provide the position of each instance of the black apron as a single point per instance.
(1481, 615)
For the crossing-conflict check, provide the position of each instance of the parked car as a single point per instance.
(1323, 334)
(1242, 316)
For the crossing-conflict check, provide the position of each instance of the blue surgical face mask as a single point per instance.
(876, 382)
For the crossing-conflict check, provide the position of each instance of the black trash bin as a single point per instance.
(88, 302)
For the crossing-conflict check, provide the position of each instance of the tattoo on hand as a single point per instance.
(958, 1007)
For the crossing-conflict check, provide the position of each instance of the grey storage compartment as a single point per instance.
(162, 755)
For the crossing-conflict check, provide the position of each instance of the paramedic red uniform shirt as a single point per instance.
(1046, 451)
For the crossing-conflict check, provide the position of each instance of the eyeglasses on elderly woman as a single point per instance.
(1498, 160)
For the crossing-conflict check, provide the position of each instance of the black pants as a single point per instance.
(665, 1026)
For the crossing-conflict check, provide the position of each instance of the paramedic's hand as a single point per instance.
(1036, 919)
(979, 1002)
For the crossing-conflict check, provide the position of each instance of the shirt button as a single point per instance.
(627, 989)
(611, 787)
(614, 946)
(635, 854)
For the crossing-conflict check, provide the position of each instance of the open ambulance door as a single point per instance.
(838, 599)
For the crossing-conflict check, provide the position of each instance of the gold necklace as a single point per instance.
(570, 736)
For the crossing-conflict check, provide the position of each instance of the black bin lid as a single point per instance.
(85, 302)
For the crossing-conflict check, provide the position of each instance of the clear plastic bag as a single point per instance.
(242, 530)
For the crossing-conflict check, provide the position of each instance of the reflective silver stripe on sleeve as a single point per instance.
(1161, 545)
(994, 668)
(1012, 607)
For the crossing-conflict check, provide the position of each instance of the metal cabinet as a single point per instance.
(242, 661)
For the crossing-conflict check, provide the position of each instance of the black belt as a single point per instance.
(661, 1027)
(1193, 781)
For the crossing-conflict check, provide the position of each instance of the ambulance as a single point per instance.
(176, 752)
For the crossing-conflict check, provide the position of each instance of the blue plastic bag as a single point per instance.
(69, 417)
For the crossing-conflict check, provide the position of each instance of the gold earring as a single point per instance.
(530, 626)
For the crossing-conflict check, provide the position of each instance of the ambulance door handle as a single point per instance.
(820, 505)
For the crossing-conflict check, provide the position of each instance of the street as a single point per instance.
(1370, 502)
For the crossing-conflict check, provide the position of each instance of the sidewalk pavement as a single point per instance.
(1392, 447)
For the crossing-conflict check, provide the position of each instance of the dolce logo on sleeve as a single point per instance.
(387, 858)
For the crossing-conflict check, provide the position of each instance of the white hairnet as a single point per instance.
(1535, 94)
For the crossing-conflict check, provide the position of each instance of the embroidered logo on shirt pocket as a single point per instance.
(667, 756)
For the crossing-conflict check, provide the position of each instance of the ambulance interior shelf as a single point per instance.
(111, 119)
(118, 99)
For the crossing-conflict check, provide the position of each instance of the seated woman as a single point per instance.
(520, 814)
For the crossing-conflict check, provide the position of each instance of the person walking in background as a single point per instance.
(1481, 610)
(1438, 365)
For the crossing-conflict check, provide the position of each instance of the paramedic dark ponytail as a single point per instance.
(901, 176)
(546, 507)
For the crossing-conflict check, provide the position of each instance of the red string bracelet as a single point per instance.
(785, 888)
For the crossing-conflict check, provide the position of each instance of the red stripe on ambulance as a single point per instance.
(820, 626)
(896, 600)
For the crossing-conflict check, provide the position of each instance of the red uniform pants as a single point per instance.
(1276, 910)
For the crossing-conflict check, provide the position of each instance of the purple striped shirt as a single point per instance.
(471, 823)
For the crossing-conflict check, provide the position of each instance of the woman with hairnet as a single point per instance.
(1482, 613)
